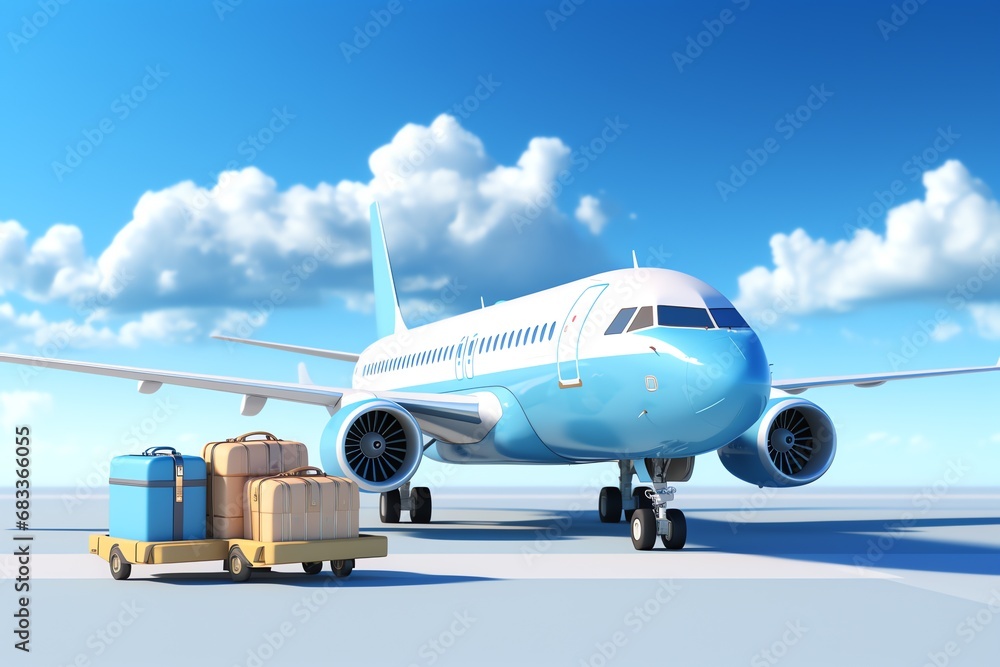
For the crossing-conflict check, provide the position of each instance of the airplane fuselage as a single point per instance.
(592, 370)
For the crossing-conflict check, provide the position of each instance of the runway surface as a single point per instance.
(796, 577)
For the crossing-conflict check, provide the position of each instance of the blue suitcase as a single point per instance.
(158, 496)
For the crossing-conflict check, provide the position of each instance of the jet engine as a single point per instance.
(792, 444)
(375, 442)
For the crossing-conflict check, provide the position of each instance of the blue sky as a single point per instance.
(126, 254)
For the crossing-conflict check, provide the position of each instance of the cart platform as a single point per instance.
(239, 556)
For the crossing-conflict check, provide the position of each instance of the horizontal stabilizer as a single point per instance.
(314, 351)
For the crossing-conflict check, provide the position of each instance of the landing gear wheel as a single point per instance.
(642, 502)
(420, 504)
(120, 568)
(609, 505)
(312, 568)
(677, 536)
(239, 566)
(342, 568)
(388, 506)
(643, 529)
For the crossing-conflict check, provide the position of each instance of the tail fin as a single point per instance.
(388, 319)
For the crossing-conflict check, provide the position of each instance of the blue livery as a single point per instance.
(158, 496)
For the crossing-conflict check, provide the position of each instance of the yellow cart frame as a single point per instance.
(241, 557)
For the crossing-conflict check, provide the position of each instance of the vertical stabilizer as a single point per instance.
(388, 319)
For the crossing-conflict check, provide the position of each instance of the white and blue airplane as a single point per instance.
(646, 367)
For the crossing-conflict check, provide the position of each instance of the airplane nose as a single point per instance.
(731, 383)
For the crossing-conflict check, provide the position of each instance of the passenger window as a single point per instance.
(678, 316)
(518, 342)
(503, 341)
(552, 330)
(643, 319)
(544, 327)
(534, 334)
(620, 322)
(481, 343)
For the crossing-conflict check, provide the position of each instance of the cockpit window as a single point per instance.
(620, 322)
(679, 316)
(643, 319)
(729, 318)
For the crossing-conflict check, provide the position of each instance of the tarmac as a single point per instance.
(812, 576)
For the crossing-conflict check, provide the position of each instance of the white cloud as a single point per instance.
(20, 407)
(882, 438)
(159, 325)
(987, 319)
(49, 338)
(945, 330)
(192, 258)
(950, 238)
(589, 213)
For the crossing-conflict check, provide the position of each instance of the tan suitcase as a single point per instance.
(231, 463)
(302, 504)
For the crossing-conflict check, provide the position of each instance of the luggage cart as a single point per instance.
(239, 556)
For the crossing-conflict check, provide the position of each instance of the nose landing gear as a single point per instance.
(646, 509)
(669, 524)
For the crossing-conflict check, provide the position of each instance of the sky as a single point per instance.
(172, 171)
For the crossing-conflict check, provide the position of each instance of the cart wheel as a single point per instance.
(120, 568)
(312, 568)
(239, 566)
(342, 568)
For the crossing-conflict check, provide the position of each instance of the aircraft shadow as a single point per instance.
(881, 543)
(889, 542)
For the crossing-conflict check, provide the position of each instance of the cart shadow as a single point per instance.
(359, 579)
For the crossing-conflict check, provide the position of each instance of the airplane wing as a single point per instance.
(315, 351)
(873, 379)
(457, 418)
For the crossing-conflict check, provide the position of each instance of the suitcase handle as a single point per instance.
(159, 451)
(304, 471)
(246, 436)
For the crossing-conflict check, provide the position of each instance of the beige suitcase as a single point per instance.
(231, 463)
(302, 504)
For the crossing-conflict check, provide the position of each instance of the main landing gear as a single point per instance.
(417, 501)
(645, 509)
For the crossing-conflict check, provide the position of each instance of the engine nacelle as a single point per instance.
(375, 442)
(792, 444)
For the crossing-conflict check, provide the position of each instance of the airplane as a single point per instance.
(646, 367)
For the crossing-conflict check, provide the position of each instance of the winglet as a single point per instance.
(635, 262)
(388, 319)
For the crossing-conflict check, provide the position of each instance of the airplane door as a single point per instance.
(460, 358)
(568, 347)
(470, 355)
